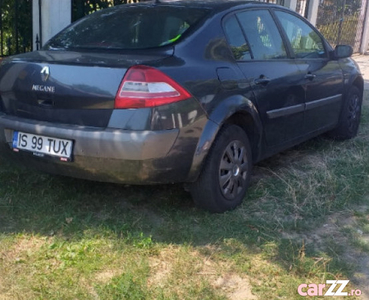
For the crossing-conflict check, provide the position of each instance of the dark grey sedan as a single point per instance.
(193, 92)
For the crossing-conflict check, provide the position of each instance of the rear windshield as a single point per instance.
(128, 27)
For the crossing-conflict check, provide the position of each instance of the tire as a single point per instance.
(349, 121)
(226, 173)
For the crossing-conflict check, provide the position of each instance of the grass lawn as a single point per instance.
(305, 220)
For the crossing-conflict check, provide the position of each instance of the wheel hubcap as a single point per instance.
(233, 170)
(236, 170)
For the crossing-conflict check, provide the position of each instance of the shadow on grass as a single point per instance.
(71, 208)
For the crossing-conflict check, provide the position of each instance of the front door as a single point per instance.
(323, 78)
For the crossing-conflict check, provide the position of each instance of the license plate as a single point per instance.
(40, 145)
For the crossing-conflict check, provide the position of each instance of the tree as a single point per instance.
(15, 26)
(83, 8)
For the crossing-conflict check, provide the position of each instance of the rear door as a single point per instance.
(323, 78)
(263, 58)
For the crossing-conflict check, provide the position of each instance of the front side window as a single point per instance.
(262, 34)
(236, 39)
(128, 27)
(305, 42)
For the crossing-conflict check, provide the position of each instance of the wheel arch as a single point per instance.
(245, 120)
(349, 119)
(236, 110)
(359, 83)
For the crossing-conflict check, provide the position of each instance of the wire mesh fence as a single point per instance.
(81, 8)
(342, 21)
(279, 2)
(302, 7)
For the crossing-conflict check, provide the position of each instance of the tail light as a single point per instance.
(144, 86)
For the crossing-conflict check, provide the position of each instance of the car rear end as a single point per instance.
(95, 104)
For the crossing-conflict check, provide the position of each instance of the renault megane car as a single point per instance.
(189, 92)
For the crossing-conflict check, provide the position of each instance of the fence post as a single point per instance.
(55, 15)
(1, 28)
(341, 22)
(364, 40)
(36, 24)
(313, 11)
(16, 26)
(291, 4)
(9, 44)
(37, 43)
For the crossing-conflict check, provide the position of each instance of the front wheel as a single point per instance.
(226, 174)
(348, 125)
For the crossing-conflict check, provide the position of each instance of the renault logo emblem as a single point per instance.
(45, 73)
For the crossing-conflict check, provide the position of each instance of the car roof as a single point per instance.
(218, 5)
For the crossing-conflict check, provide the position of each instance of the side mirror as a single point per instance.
(342, 51)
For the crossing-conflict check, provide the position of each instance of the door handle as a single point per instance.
(262, 80)
(310, 76)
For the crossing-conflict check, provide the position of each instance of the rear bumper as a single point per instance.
(102, 154)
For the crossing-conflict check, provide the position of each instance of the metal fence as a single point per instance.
(302, 7)
(342, 21)
(15, 26)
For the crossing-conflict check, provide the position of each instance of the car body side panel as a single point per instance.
(221, 88)
(324, 93)
(350, 74)
(280, 102)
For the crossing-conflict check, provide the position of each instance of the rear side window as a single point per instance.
(262, 34)
(236, 39)
(128, 27)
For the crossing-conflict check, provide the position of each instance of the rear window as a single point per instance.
(128, 27)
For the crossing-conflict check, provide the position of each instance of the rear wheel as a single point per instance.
(348, 125)
(226, 174)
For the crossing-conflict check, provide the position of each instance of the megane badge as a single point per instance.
(45, 73)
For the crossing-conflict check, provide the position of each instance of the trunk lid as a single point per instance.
(65, 86)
